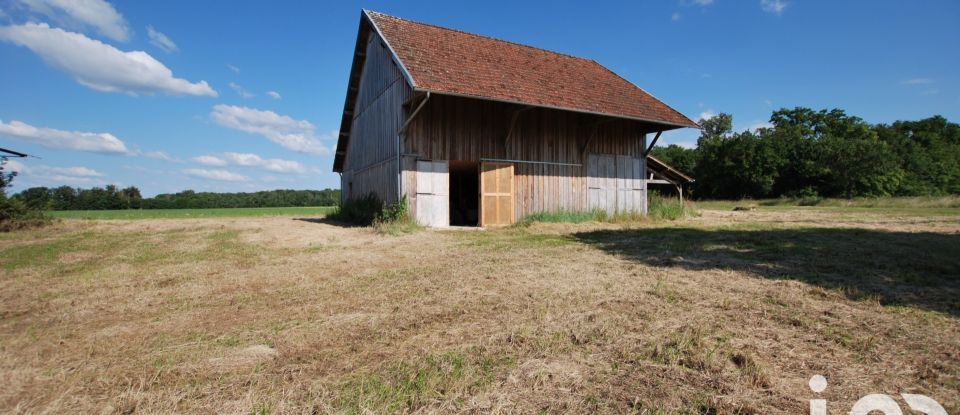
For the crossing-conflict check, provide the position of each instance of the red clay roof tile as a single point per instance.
(453, 62)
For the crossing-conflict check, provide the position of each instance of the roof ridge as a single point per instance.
(479, 35)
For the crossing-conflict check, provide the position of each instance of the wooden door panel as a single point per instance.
(496, 194)
(433, 202)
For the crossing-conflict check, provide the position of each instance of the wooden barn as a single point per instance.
(476, 131)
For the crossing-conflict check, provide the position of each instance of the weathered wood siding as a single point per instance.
(370, 163)
(454, 128)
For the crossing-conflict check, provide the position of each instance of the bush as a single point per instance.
(361, 211)
(369, 210)
(15, 215)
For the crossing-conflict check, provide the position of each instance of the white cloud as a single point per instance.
(210, 161)
(161, 40)
(216, 174)
(675, 17)
(274, 94)
(706, 115)
(701, 3)
(296, 135)
(233, 68)
(60, 139)
(773, 6)
(80, 14)
(51, 175)
(240, 91)
(918, 81)
(158, 155)
(274, 165)
(252, 160)
(100, 66)
(68, 171)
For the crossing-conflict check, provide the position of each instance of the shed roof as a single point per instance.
(666, 171)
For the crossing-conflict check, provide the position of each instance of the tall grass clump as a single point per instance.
(563, 216)
(669, 208)
(369, 210)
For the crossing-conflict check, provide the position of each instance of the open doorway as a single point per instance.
(464, 193)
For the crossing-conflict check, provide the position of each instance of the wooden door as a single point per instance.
(602, 183)
(630, 184)
(496, 194)
(433, 193)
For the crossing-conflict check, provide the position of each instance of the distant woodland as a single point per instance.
(112, 197)
(827, 153)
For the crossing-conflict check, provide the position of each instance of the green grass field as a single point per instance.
(192, 213)
(897, 206)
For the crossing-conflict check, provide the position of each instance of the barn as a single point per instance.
(476, 131)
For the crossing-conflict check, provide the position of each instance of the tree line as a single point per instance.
(112, 197)
(826, 153)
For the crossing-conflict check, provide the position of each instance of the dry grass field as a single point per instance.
(729, 312)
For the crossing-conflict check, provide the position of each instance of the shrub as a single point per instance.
(14, 215)
(369, 210)
(361, 211)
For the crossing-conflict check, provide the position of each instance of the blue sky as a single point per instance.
(242, 96)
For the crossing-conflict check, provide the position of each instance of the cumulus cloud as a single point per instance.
(773, 6)
(216, 174)
(100, 66)
(161, 40)
(296, 135)
(252, 160)
(706, 115)
(210, 161)
(274, 165)
(53, 175)
(274, 94)
(82, 14)
(241, 91)
(60, 139)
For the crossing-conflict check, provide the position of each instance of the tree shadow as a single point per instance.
(898, 268)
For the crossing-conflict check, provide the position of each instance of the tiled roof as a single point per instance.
(453, 62)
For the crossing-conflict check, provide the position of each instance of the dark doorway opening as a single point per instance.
(464, 193)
